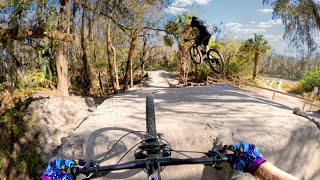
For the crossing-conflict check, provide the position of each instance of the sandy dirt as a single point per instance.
(56, 116)
(194, 119)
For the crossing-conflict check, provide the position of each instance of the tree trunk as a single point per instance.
(256, 60)
(61, 53)
(85, 70)
(112, 61)
(9, 45)
(115, 67)
(72, 16)
(130, 61)
(62, 69)
(143, 58)
(315, 12)
(183, 56)
(100, 82)
(228, 65)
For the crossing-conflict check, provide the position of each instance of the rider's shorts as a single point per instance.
(203, 38)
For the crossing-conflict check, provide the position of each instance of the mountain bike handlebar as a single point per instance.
(138, 164)
(153, 154)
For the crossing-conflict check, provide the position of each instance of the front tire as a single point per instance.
(150, 117)
(216, 61)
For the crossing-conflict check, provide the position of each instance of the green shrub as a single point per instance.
(269, 83)
(275, 85)
(294, 88)
(257, 83)
(311, 79)
(204, 71)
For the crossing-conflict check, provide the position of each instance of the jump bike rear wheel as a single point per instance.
(150, 117)
(216, 61)
(195, 55)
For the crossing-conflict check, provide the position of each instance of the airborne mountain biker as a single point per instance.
(205, 33)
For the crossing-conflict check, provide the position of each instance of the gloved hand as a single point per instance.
(60, 169)
(247, 157)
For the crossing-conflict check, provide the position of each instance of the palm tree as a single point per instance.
(176, 30)
(260, 48)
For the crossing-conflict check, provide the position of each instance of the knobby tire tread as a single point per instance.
(221, 60)
(150, 116)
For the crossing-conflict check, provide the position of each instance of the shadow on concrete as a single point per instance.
(164, 75)
(301, 155)
(197, 94)
(119, 149)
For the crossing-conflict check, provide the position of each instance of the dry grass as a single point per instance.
(294, 88)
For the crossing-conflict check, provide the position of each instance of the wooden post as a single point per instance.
(274, 93)
(304, 105)
(314, 93)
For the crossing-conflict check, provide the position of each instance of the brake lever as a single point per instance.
(214, 152)
(92, 175)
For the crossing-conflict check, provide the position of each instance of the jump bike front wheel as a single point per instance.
(150, 117)
(216, 61)
(195, 55)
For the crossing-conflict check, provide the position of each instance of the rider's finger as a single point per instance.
(71, 162)
(231, 147)
(80, 162)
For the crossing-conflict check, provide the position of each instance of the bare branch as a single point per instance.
(3, 4)
(15, 34)
(315, 12)
(87, 6)
(121, 26)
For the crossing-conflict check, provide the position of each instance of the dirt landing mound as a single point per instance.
(192, 119)
(56, 117)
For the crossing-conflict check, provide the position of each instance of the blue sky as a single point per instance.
(241, 18)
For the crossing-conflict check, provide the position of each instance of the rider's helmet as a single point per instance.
(194, 18)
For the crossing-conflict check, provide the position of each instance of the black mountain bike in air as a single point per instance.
(152, 154)
(213, 57)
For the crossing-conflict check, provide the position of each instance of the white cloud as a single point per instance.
(177, 5)
(175, 10)
(182, 3)
(253, 22)
(265, 11)
(268, 24)
(233, 25)
(201, 1)
(273, 38)
(238, 28)
(189, 2)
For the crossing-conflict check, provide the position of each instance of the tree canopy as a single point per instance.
(257, 48)
(301, 20)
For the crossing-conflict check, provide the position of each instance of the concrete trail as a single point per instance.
(191, 119)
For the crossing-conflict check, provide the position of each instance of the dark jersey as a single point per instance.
(201, 25)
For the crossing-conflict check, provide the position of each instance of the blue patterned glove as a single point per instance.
(60, 169)
(247, 157)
